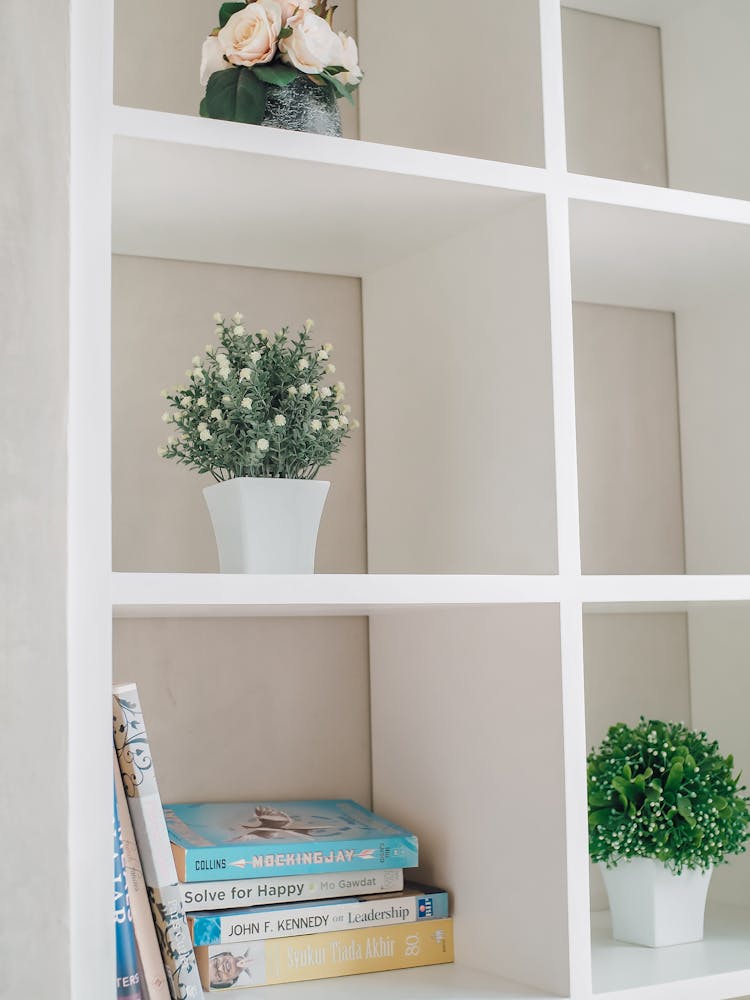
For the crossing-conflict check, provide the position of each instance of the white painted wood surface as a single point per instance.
(378, 208)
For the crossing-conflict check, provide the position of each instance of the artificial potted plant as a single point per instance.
(279, 63)
(665, 808)
(258, 415)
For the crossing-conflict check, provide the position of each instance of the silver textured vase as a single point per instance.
(303, 106)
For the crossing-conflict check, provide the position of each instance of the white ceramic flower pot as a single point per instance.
(266, 525)
(652, 906)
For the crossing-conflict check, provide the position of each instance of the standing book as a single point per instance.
(324, 956)
(153, 976)
(144, 803)
(128, 978)
(229, 840)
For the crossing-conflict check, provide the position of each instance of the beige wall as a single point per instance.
(614, 104)
(475, 89)
(34, 267)
(252, 708)
(629, 462)
(161, 316)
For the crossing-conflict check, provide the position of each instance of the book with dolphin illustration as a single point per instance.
(235, 840)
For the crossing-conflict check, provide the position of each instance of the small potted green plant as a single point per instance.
(665, 807)
(259, 415)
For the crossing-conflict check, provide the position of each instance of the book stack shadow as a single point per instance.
(281, 892)
(234, 895)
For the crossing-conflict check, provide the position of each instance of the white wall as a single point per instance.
(720, 679)
(479, 779)
(627, 421)
(34, 261)
(458, 385)
(613, 101)
(713, 355)
(706, 54)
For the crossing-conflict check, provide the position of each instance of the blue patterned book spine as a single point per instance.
(160, 876)
(128, 980)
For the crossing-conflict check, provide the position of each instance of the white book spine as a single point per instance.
(153, 975)
(311, 918)
(146, 814)
(281, 889)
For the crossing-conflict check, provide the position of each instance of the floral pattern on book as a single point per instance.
(169, 921)
(131, 744)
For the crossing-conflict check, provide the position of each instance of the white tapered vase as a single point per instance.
(652, 906)
(266, 525)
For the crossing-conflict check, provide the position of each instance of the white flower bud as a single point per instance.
(262, 445)
(303, 364)
(245, 375)
(237, 318)
(218, 318)
(316, 424)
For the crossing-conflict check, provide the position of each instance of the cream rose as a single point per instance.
(312, 45)
(212, 59)
(249, 37)
(349, 60)
(293, 10)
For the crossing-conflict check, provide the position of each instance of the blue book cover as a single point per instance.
(230, 840)
(128, 979)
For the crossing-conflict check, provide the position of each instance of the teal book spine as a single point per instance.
(223, 841)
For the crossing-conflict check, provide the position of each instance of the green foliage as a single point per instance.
(257, 405)
(227, 9)
(235, 95)
(660, 790)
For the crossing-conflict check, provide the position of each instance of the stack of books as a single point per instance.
(279, 892)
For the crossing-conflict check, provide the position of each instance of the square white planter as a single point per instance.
(652, 906)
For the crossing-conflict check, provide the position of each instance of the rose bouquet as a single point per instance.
(265, 50)
(257, 406)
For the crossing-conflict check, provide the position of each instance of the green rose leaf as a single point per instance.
(227, 9)
(235, 95)
(279, 74)
(340, 89)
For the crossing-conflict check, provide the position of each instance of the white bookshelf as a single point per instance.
(462, 662)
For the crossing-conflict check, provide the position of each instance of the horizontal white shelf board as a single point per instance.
(440, 982)
(718, 966)
(194, 189)
(660, 593)
(655, 260)
(166, 595)
(670, 201)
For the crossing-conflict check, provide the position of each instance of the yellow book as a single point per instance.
(323, 956)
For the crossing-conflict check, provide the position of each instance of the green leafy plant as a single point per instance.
(660, 790)
(271, 43)
(257, 405)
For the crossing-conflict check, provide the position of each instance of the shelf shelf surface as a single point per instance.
(445, 982)
(724, 953)
(191, 189)
(213, 595)
(175, 595)
(655, 260)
